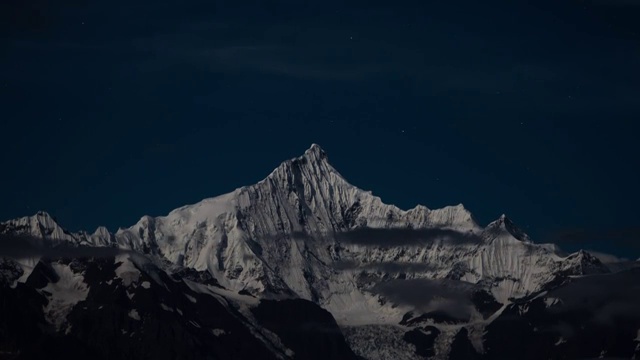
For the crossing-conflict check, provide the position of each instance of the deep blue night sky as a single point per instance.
(113, 110)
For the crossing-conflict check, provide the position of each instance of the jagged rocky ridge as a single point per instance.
(305, 233)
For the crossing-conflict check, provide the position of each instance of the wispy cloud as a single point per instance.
(608, 297)
(405, 237)
(291, 62)
(628, 237)
(420, 293)
(388, 267)
(22, 246)
(607, 258)
(318, 54)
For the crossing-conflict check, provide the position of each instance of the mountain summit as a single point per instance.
(247, 238)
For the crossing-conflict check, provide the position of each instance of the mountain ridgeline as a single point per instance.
(304, 265)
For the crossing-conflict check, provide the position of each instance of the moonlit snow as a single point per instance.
(290, 236)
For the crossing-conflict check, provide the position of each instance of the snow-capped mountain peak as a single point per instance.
(305, 232)
(41, 226)
(247, 239)
(316, 152)
(584, 263)
(504, 224)
(313, 166)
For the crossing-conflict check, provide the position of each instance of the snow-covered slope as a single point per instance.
(284, 236)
